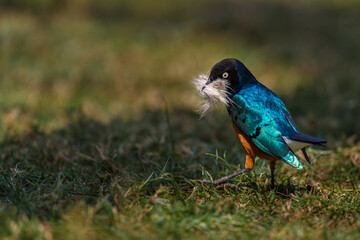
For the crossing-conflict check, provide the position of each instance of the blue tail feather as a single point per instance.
(308, 139)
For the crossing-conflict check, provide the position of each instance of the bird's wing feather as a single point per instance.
(259, 127)
(262, 117)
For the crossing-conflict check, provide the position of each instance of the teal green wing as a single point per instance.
(263, 125)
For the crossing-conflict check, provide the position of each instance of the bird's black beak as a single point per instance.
(207, 83)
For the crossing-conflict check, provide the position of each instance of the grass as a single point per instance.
(99, 137)
(85, 181)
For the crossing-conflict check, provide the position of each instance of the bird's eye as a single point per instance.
(225, 75)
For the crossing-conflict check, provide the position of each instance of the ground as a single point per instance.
(100, 137)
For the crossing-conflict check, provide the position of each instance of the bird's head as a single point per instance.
(232, 72)
(226, 79)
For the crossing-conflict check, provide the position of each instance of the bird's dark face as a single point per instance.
(227, 78)
(233, 72)
(225, 70)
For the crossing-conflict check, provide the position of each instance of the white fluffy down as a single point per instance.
(212, 93)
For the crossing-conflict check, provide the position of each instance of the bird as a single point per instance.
(259, 117)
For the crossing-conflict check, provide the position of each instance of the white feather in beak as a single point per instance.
(212, 93)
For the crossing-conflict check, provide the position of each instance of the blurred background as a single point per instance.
(118, 59)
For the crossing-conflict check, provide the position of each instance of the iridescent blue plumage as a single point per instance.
(261, 120)
(263, 117)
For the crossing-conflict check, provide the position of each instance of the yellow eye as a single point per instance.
(225, 75)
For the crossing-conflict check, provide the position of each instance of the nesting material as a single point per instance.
(212, 93)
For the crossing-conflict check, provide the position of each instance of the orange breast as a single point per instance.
(251, 150)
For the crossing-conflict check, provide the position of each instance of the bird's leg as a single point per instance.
(272, 169)
(228, 177)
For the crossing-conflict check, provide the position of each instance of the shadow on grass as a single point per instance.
(283, 190)
(86, 160)
(40, 173)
